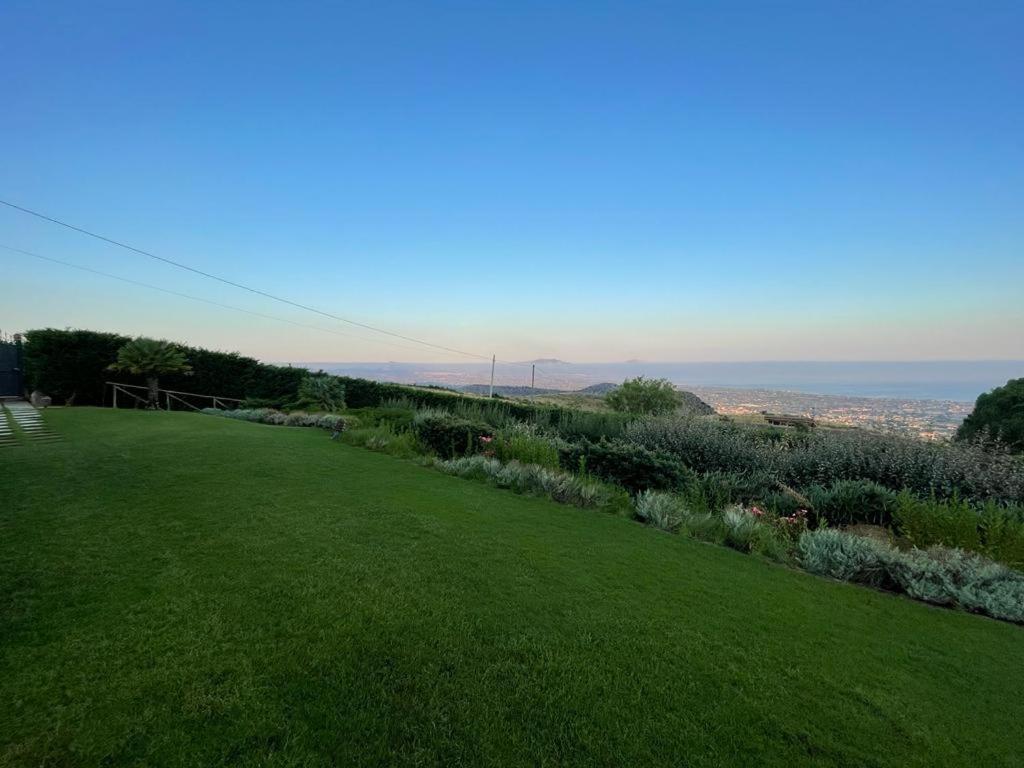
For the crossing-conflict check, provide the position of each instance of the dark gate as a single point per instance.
(10, 368)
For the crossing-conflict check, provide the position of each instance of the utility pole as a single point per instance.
(533, 376)
(491, 392)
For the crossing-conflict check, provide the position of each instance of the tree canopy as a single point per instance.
(998, 414)
(644, 396)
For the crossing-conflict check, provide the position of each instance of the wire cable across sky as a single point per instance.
(204, 301)
(242, 286)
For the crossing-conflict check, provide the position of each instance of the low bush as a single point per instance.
(969, 470)
(397, 417)
(938, 575)
(1002, 534)
(924, 522)
(662, 510)
(384, 438)
(334, 422)
(530, 478)
(852, 502)
(838, 555)
(448, 435)
(632, 466)
(954, 577)
(524, 444)
(991, 530)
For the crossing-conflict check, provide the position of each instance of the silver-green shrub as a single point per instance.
(531, 478)
(742, 529)
(938, 575)
(954, 577)
(825, 456)
(839, 555)
(662, 510)
(331, 421)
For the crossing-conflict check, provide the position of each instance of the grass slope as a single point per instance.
(178, 589)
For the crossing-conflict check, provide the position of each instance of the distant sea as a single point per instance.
(959, 381)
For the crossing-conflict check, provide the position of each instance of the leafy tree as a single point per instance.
(321, 392)
(150, 358)
(644, 396)
(998, 414)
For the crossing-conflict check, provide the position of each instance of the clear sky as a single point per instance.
(589, 181)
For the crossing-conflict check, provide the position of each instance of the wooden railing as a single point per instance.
(168, 396)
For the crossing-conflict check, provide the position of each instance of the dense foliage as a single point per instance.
(998, 415)
(822, 457)
(941, 576)
(449, 435)
(151, 359)
(72, 366)
(321, 392)
(330, 421)
(644, 397)
(633, 467)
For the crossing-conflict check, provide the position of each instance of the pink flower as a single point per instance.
(485, 438)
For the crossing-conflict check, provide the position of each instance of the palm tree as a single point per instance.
(150, 358)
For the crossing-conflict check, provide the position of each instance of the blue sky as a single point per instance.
(591, 181)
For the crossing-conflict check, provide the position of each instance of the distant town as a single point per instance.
(931, 419)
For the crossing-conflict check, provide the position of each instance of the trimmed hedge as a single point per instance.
(72, 366)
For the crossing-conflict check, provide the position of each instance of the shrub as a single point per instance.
(703, 526)
(967, 469)
(741, 529)
(839, 555)
(530, 478)
(929, 522)
(447, 435)
(998, 415)
(330, 421)
(954, 577)
(662, 510)
(589, 425)
(321, 392)
(644, 396)
(714, 491)
(1002, 535)
(385, 439)
(632, 466)
(851, 502)
(522, 443)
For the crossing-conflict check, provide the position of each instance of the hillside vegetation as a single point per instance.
(187, 590)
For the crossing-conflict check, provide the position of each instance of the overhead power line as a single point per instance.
(204, 301)
(244, 287)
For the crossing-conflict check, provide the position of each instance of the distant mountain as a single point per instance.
(547, 361)
(694, 404)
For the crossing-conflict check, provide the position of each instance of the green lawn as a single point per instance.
(179, 589)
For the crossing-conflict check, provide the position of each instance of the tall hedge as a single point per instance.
(70, 364)
(73, 364)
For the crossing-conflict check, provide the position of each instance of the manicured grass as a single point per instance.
(179, 589)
